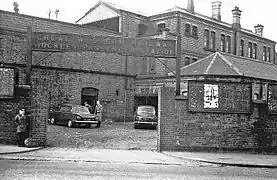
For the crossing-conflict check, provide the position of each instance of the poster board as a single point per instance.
(272, 99)
(7, 83)
(219, 97)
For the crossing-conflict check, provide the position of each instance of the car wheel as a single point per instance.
(52, 121)
(98, 124)
(69, 124)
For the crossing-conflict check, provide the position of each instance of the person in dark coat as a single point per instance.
(21, 129)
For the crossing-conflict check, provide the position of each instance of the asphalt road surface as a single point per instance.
(13, 169)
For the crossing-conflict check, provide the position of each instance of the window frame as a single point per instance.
(188, 29)
(206, 39)
(228, 44)
(222, 43)
(194, 34)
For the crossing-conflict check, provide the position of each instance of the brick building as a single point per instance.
(201, 36)
(120, 82)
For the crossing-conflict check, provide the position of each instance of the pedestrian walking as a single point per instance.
(21, 129)
(99, 110)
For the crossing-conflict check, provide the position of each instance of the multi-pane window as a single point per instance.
(228, 44)
(213, 41)
(206, 39)
(264, 53)
(250, 52)
(187, 29)
(268, 54)
(255, 51)
(222, 43)
(194, 31)
(241, 48)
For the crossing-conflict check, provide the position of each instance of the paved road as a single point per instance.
(14, 169)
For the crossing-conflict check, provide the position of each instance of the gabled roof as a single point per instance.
(231, 65)
(113, 7)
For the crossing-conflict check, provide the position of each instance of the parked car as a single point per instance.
(72, 115)
(145, 116)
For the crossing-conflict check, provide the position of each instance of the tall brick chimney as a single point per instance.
(236, 18)
(259, 29)
(216, 10)
(190, 7)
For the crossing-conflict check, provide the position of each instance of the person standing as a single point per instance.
(99, 110)
(21, 122)
(88, 106)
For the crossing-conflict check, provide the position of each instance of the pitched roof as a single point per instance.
(231, 65)
(112, 6)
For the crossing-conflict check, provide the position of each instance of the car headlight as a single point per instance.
(78, 117)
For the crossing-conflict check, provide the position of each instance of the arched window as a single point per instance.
(187, 29)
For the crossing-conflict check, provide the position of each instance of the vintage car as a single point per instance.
(145, 116)
(72, 115)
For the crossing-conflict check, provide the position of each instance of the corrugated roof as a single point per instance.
(231, 65)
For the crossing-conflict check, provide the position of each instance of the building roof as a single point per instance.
(231, 65)
(114, 7)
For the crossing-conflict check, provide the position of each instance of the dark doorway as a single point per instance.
(147, 100)
(89, 95)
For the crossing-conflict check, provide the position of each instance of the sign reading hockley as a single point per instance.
(120, 45)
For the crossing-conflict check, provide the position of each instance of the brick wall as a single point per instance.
(179, 129)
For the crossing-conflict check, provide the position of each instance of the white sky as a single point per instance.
(253, 11)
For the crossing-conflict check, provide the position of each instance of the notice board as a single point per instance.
(219, 97)
(272, 99)
(6, 82)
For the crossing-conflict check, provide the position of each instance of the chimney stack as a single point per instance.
(216, 10)
(190, 7)
(236, 18)
(259, 29)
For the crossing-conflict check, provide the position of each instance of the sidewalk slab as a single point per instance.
(13, 149)
(231, 159)
(97, 155)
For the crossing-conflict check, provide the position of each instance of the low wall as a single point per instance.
(180, 129)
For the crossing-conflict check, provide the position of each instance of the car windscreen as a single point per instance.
(146, 110)
(80, 109)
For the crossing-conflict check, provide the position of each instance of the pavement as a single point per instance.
(13, 152)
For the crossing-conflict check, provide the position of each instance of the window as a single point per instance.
(268, 54)
(194, 31)
(161, 26)
(222, 43)
(241, 48)
(194, 60)
(213, 41)
(206, 39)
(187, 30)
(255, 51)
(187, 61)
(142, 28)
(264, 53)
(250, 52)
(228, 44)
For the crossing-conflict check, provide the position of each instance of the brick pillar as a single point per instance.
(167, 120)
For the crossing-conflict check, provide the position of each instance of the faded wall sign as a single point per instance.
(121, 45)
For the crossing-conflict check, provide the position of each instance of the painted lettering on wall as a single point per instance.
(119, 45)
